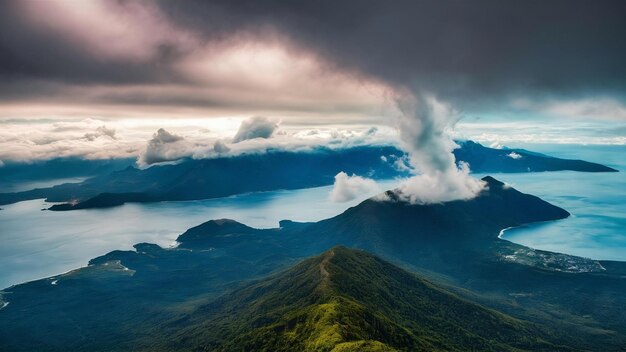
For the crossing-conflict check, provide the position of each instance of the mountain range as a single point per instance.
(348, 300)
(432, 277)
(225, 176)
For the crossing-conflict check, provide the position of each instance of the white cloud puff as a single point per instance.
(220, 147)
(255, 127)
(347, 188)
(164, 146)
(514, 155)
(496, 145)
(42, 139)
(100, 131)
(441, 186)
(424, 128)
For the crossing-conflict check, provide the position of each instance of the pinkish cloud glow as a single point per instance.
(109, 30)
(250, 73)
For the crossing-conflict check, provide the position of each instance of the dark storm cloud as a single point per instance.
(471, 54)
(461, 50)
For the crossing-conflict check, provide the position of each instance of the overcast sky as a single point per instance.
(100, 78)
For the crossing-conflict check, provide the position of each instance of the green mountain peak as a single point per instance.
(349, 300)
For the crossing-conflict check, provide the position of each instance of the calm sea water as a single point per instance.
(597, 202)
(36, 244)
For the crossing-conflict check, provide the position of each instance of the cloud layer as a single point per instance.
(328, 58)
(140, 58)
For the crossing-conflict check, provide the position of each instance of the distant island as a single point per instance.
(425, 276)
(489, 160)
(220, 177)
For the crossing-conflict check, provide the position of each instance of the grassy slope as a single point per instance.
(348, 300)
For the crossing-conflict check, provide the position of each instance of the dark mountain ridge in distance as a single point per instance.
(147, 298)
(220, 177)
(226, 176)
(486, 160)
(66, 167)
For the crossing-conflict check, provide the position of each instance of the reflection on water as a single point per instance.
(37, 244)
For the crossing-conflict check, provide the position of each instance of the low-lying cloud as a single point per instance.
(220, 147)
(514, 155)
(521, 134)
(255, 127)
(164, 146)
(347, 188)
(100, 131)
(30, 140)
(44, 139)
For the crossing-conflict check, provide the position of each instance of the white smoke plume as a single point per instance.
(424, 125)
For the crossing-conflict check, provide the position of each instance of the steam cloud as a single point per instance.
(423, 127)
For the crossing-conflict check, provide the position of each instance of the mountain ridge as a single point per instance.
(213, 178)
(344, 299)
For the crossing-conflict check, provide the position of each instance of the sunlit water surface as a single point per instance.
(37, 244)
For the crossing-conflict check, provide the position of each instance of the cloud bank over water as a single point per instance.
(44, 139)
